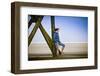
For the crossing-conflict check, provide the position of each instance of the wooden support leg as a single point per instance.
(34, 30)
(52, 32)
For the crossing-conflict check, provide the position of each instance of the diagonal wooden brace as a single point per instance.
(34, 30)
(48, 40)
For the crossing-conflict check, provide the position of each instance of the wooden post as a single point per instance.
(52, 33)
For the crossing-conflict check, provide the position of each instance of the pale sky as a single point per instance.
(72, 29)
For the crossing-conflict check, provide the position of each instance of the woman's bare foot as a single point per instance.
(60, 52)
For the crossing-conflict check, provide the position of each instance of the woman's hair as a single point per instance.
(56, 29)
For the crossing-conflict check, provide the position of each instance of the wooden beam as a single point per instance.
(52, 25)
(34, 18)
(52, 33)
(47, 38)
(34, 30)
(29, 23)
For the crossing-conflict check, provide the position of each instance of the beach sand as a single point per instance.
(71, 51)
